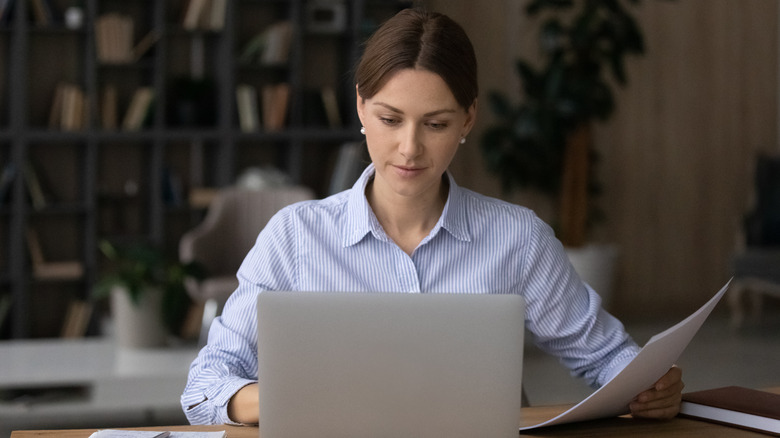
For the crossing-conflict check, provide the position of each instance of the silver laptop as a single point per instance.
(337, 364)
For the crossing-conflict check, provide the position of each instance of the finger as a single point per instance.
(657, 407)
(665, 413)
(654, 396)
(658, 402)
(668, 385)
(671, 378)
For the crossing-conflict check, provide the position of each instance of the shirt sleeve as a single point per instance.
(565, 315)
(228, 362)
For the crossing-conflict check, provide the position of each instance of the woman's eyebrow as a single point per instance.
(429, 114)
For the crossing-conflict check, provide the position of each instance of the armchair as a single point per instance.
(222, 240)
(756, 265)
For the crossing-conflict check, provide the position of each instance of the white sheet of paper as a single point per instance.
(652, 362)
(117, 433)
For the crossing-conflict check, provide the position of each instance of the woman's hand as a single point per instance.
(662, 401)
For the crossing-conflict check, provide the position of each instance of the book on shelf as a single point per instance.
(192, 14)
(144, 45)
(248, 114)
(217, 14)
(204, 15)
(138, 110)
(109, 115)
(736, 406)
(277, 49)
(114, 38)
(50, 270)
(43, 12)
(69, 109)
(271, 47)
(321, 108)
(276, 99)
(77, 319)
(331, 104)
(35, 187)
(55, 111)
(73, 109)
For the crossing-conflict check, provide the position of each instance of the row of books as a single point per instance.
(70, 111)
(197, 15)
(135, 116)
(275, 99)
(267, 109)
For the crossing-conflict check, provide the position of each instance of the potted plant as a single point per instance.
(545, 142)
(148, 299)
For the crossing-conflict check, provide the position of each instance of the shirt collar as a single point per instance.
(360, 218)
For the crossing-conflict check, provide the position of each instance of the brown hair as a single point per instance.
(418, 39)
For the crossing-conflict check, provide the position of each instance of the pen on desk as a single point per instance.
(165, 434)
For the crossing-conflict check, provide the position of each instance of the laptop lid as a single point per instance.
(336, 364)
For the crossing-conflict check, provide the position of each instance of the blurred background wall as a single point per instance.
(677, 156)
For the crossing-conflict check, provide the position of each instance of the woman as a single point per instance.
(406, 226)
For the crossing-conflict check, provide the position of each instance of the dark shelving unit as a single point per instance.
(110, 183)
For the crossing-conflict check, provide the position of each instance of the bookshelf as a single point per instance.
(112, 114)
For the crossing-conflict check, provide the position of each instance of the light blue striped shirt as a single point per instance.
(479, 245)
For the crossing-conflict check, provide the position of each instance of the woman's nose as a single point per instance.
(410, 144)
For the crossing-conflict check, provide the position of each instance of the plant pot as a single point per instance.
(138, 325)
(597, 266)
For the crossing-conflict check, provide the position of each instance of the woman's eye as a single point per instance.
(436, 125)
(388, 121)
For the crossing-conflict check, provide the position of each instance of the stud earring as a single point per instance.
(463, 140)
(363, 130)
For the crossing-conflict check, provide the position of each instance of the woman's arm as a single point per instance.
(244, 406)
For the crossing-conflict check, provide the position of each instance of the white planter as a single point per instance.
(138, 325)
(597, 266)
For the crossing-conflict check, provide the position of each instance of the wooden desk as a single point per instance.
(612, 427)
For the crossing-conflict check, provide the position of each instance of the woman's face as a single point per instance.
(413, 127)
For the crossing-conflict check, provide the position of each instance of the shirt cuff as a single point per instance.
(618, 364)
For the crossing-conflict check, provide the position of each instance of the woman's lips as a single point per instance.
(408, 171)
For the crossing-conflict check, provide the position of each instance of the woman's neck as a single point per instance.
(407, 220)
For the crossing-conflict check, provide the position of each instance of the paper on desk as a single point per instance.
(652, 362)
(117, 433)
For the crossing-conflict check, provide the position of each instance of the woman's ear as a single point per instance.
(471, 118)
(359, 104)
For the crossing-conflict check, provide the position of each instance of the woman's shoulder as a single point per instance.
(491, 206)
(315, 209)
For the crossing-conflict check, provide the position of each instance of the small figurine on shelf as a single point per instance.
(74, 17)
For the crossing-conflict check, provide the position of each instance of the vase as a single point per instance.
(138, 325)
